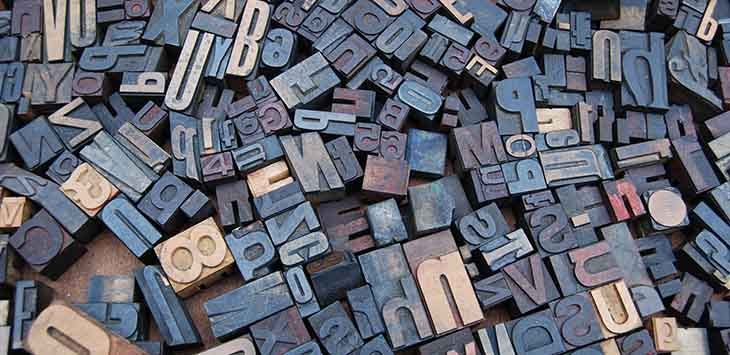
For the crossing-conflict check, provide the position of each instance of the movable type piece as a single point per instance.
(431, 208)
(490, 50)
(9, 274)
(647, 300)
(393, 145)
(575, 165)
(477, 145)
(639, 342)
(313, 73)
(345, 224)
(350, 55)
(228, 9)
(553, 119)
(36, 143)
(115, 60)
(513, 37)
(60, 328)
(112, 120)
(522, 68)
(266, 296)
(487, 184)
(278, 50)
(687, 64)
(170, 22)
(50, 84)
(127, 320)
(125, 172)
(680, 122)
(606, 61)
(575, 73)
(252, 250)
(185, 80)
(520, 146)
(431, 260)
(385, 178)
(218, 59)
(550, 230)
(278, 201)
(651, 177)
(523, 176)
(719, 151)
(308, 348)
(720, 198)
(687, 19)
(213, 24)
(426, 152)
(514, 106)
(718, 314)
(360, 103)
(717, 126)
(624, 250)
(290, 14)
(162, 202)
(112, 289)
(544, 336)
(31, 297)
(365, 312)
(14, 211)
(137, 9)
(268, 178)
(147, 84)
(91, 86)
(47, 195)
(623, 14)
(9, 50)
(232, 201)
(535, 200)
(580, 30)
(27, 17)
(594, 265)
(315, 25)
(666, 209)
(88, 189)
(54, 29)
(492, 291)
(186, 146)
(209, 257)
(644, 86)
(330, 123)
(665, 333)
(481, 71)
(12, 77)
(482, 226)
(142, 147)
(577, 321)
(615, 309)
(641, 154)
(301, 291)
(243, 345)
(455, 58)
(217, 167)
(293, 224)
(310, 162)
(657, 254)
(619, 193)
(377, 19)
(530, 283)
(334, 34)
(421, 98)
(304, 249)
(345, 340)
(395, 291)
(248, 128)
(274, 118)
(109, 11)
(434, 48)
(427, 76)
(691, 301)
(280, 332)
(344, 159)
(46, 246)
(386, 224)
(197, 207)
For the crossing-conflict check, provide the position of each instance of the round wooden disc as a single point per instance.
(667, 208)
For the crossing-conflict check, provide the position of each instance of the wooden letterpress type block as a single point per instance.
(365, 311)
(420, 98)
(268, 178)
(691, 301)
(9, 273)
(344, 159)
(127, 320)
(274, 117)
(346, 340)
(524, 175)
(386, 224)
(647, 300)
(26, 17)
(615, 309)
(185, 80)
(594, 265)
(514, 106)
(162, 202)
(360, 103)
(267, 296)
(278, 201)
(93, 87)
(694, 171)
(427, 76)
(314, 70)
(520, 146)
(435, 258)
(575, 165)
(666, 209)
(531, 284)
(124, 33)
(434, 48)
(279, 49)
(626, 253)
(345, 224)
(550, 230)
(170, 22)
(431, 208)
(316, 23)
(689, 88)
(252, 250)
(12, 76)
(209, 257)
(121, 113)
(112, 289)
(142, 147)
(606, 61)
(367, 138)
(378, 19)
(641, 154)
(79, 330)
(301, 291)
(450, 30)
(310, 162)
(46, 194)
(385, 178)
(124, 171)
(36, 143)
(329, 123)
(395, 291)
(492, 291)
(217, 167)
(218, 58)
(644, 86)
(575, 68)
(665, 332)
(393, 145)
(46, 246)
(31, 298)
(186, 145)
(540, 324)
(293, 224)
(639, 341)
(577, 321)
(14, 211)
(232, 201)
(197, 207)
(143, 85)
(304, 249)
(625, 202)
(280, 332)
(88, 189)
(116, 60)
(393, 114)
(308, 348)
(487, 184)
(426, 152)
(172, 318)
(482, 226)
(257, 154)
(290, 15)
(477, 145)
